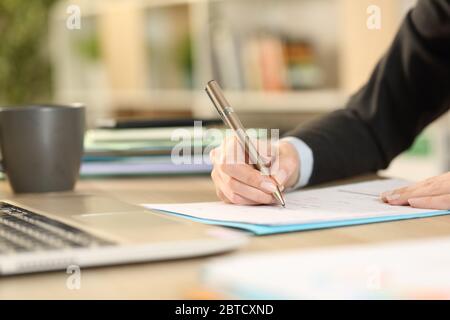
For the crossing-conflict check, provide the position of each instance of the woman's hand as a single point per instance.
(433, 193)
(240, 183)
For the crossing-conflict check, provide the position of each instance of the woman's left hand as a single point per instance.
(432, 193)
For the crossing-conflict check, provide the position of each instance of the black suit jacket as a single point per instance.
(409, 88)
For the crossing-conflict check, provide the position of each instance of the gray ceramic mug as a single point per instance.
(42, 146)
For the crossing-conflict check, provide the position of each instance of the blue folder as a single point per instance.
(260, 229)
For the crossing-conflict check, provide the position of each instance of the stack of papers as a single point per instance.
(404, 270)
(139, 165)
(344, 205)
(145, 151)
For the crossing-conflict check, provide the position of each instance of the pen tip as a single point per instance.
(278, 195)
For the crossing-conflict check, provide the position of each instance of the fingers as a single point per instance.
(279, 173)
(240, 171)
(248, 175)
(224, 198)
(221, 196)
(437, 202)
(401, 196)
(234, 191)
(426, 190)
(286, 166)
(228, 198)
(238, 182)
(232, 152)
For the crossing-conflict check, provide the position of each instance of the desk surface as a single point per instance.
(177, 279)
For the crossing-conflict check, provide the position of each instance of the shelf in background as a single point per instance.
(311, 101)
(131, 53)
(167, 99)
(308, 101)
(302, 101)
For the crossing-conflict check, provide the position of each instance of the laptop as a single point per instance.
(58, 231)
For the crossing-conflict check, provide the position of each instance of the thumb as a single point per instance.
(283, 171)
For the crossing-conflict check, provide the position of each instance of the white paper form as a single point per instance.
(345, 202)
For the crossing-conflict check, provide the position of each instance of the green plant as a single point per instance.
(24, 66)
(88, 47)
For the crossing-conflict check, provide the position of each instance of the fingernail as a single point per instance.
(391, 197)
(386, 193)
(268, 186)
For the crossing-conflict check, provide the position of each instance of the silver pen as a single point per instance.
(230, 118)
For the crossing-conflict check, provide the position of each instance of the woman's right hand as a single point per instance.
(238, 182)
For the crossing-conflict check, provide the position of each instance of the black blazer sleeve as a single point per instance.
(409, 88)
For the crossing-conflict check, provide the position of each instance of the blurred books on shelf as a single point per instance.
(303, 71)
(267, 62)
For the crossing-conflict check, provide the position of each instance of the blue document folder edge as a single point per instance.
(260, 230)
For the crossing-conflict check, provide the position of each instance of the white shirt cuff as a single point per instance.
(306, 157)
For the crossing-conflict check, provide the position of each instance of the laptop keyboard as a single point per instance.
(23, 231)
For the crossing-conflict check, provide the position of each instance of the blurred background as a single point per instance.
(281, 62)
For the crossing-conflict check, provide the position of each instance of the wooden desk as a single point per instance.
(176, 279)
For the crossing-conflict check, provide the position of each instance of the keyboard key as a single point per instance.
(23, 230)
